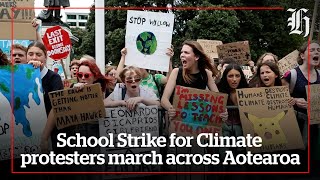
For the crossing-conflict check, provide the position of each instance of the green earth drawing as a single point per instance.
(146, 43)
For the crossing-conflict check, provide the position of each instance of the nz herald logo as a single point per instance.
(299, 22)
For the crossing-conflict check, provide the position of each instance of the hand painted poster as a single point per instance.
(57, 68)
(29, 115)
(12, 11)
(210, 47)
(265, 112)
(198, 111)
(288, 62)
(143, 119)
(148, 35)
(314, 110)
(72, 107)
(240, 51)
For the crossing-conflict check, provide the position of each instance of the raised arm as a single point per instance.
(211, 84)
(171, 84)
(121, 63)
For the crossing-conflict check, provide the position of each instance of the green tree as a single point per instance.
(266, 30)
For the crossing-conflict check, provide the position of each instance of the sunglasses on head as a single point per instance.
(85, 75)
(133, 80)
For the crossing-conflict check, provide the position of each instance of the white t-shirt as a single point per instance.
(147, 93)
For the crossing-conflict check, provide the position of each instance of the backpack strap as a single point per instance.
(293, 80)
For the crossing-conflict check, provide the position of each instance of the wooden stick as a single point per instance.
(64, 70)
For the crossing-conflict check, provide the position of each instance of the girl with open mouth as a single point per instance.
(130, 94)
(196, 72)
(305, 73)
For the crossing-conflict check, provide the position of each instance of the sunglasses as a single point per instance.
(85, 75)
(133, 80)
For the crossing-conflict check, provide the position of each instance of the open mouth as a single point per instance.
(184, 62)
(268, 135)
(316, 58)
(266, 80)
(17, 61)
(134, 87)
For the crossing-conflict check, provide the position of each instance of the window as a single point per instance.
(85, 17)
(72, 23)
(82, 24)
(71, 17)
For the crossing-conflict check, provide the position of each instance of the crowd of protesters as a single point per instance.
(132, 87)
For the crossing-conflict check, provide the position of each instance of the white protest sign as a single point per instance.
(247, 72)
(148, 35)
(121, 120)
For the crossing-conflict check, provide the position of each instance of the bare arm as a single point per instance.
(150, 102)
(170, 53)
(284, 82)
(211, 84)
(121, 63)
(109, 102)
(171, 84)
(36, 25)
(46, 133)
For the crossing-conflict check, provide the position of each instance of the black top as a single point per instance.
(50, 82)
(299, 90)
(200, 80)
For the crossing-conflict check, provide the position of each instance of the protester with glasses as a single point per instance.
(131, 94)
(88, 74)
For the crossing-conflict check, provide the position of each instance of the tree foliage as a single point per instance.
(266, 30)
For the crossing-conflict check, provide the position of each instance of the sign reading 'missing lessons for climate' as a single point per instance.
(148, 35)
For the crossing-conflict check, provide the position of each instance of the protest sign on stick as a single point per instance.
(58, 44)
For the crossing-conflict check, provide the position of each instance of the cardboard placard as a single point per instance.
(288, 62)
(72, 107)
(210, 47)
(314, 103)
(29, 114)
(265, 112)
(197, 111)
(121, 120)
(240, 51)
(21, 18)
(148, 35)
(143, 119)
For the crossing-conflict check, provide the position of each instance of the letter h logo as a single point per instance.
(297, 21)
